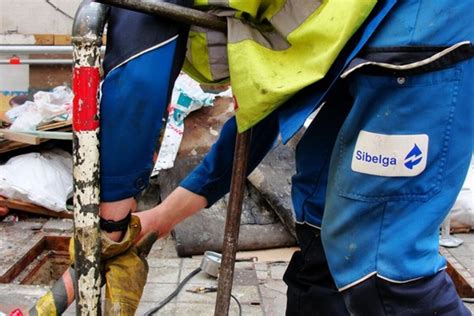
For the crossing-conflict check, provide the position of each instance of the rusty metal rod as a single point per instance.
(87, 31)
(173, 12)
(232, 225)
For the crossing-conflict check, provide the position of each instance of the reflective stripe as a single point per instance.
(309, 224)
(358, 281)
(239, 31)
(408, 66)
(383, 278)
(144, 52)
(221, 3)
(216, 44)
(217, 50)
(292, 14)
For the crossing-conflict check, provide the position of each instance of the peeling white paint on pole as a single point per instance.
(87, 220)
(87, 285)
(88, 54)
(86, 169)
(87, 39)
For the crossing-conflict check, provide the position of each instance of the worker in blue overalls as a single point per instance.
(378, 169)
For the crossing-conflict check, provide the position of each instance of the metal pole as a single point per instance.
(172, 11)
(86, 38)
(35, 61)
(232, 225)
(37, 49)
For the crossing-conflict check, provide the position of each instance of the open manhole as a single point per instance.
(43, 264)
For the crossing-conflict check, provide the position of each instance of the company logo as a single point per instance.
(385, 161)
(414, 157)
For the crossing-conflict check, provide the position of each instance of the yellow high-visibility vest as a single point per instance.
(273, 48)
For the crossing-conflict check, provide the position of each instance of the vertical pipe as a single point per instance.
(87, 38)
(232, 225)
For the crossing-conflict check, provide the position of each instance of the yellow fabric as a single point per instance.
(125, 271)
(262, 78)
(125, 277)
(110, 248)
(200, 60)
(45, 305)
(269, 78)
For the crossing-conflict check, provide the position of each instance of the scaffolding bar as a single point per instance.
(173, 12)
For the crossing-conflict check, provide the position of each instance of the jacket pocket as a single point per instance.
(394, 143)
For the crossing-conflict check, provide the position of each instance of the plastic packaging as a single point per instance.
(45, 107)
(187, 97)
(41, 178)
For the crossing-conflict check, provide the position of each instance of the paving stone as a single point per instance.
(195, 309)
(164, 262)
(205, 309)
(262, 275)
(277, 271)
(156, 292)
(189, 297)
(58, 226)
(200, 278)
(191, 263)
(467, 262)
(468, 238)
(246, 294)
(168, 309)
(274, 297)
(163, 275)
(247, 310)
(463, 250)
(245, 277)
(261, 266)
(14, 296)
(249, 265)
(164, 248)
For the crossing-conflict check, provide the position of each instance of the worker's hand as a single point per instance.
(179, 205)
(156, 220)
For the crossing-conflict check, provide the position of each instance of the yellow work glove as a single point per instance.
(125, 278)
(125, 269)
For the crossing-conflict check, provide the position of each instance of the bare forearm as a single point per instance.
(181, 204)
(178, 206)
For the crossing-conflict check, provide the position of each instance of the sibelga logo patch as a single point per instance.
(390, 155)
(414, 157)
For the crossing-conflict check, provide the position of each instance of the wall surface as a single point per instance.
(20, 20)
(37, 16)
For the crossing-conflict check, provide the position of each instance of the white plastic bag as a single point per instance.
(45, 107)
(41, 178)
(187, 97)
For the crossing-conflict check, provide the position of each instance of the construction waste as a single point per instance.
(187, 97)
(45, 107)
(42, 178)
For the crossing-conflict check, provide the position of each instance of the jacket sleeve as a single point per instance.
(211, 178)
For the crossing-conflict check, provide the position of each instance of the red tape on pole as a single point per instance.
(85, 86)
